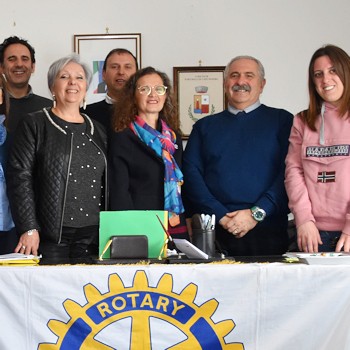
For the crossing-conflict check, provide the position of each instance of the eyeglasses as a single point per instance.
(160, 90)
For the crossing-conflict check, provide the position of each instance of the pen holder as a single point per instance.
(204, 240)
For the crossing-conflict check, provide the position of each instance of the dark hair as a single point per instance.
(126, 109)
(341, 63)
(119, 52)
(4, 107)
(15, 40)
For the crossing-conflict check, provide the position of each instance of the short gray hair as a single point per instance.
(58, 65)
(261, 69)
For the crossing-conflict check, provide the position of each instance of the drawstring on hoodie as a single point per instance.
(323, 108)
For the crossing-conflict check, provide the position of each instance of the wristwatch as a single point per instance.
(258, 214)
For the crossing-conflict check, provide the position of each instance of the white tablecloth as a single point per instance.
(209, 306)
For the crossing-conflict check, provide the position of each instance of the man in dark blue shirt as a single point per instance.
(234, 166)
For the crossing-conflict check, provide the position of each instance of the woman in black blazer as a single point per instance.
(145, 151)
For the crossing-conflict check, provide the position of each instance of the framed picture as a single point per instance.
(93, 49)
(199, 92)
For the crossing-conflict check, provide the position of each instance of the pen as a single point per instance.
(165, 230)
(162, 250)
(213, 222)
(203, 221)
(105, 249)
(207, 221)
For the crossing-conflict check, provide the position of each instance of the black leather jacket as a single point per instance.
(37, 173)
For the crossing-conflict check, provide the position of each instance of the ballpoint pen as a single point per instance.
(207, 221)
(165, 230)
(213, 222)
(162, 250)
(203, 221)
(105, 249)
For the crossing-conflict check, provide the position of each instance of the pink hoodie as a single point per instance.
(318, 171)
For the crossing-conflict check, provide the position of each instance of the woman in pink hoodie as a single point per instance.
(318, 160)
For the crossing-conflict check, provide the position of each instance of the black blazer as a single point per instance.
(137, 173)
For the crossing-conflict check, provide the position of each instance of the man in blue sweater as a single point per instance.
(234, 166)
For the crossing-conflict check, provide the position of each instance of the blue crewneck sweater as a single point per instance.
(235, 162)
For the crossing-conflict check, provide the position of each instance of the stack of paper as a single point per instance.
(19, 259)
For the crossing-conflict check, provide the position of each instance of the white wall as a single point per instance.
(283, 34)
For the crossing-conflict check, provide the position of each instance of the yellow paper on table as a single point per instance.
(131, 223)
(17, 259)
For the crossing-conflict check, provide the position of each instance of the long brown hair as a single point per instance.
(341, 63)
(125, 109)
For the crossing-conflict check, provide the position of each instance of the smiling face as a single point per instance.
(119, 68)
(152, 104)
(243, 84)
(327, 82)
(17, 66)
(70, 84)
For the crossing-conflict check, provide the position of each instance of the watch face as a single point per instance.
(258, 214)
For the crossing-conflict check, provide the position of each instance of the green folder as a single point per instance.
(134, 222)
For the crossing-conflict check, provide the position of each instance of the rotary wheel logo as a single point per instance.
(141, 317)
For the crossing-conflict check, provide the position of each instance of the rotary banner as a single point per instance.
(178, 307)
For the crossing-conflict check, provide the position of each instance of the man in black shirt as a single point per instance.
(118, 66)
(17, 62)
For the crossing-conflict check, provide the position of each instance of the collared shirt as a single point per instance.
(109, 100)
(250, 108)
(22, 106)
(30, 92)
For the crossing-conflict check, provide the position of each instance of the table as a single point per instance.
(271, 306)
